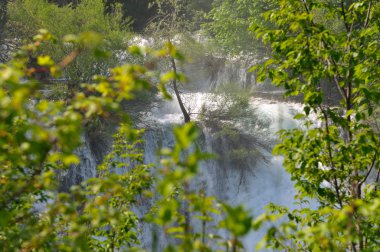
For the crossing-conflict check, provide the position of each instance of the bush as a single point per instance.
(26, 17)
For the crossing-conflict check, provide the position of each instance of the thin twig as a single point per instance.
(366, 23)
(369, 170)
(336, 185)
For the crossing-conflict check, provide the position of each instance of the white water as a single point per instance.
(255, 185)
(256, 182)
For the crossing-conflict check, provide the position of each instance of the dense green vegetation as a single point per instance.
(309, 45)
(230, 21)
(334, 162)
(38, 141)
(27, 17)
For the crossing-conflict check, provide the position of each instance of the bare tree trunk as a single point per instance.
(186, 115)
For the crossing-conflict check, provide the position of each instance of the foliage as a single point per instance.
(336, 162)
(145, 11)
(38, 139)
(3, 21)
(139, 12)
(28, 16)
(117, 194)
(178, 16)
(181, 204)
(3, 16)
(239, 135)
(229, 22)
(171, 18)
(232, 103)
(171, 23)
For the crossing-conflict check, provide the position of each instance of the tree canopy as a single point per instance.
(335, 162)
(28, 16)
(311, 46)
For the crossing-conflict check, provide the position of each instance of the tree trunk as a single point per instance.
(186, 115)
(3, 17)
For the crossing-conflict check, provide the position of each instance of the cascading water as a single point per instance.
(254, 184)
(254, 180)
(84, 170)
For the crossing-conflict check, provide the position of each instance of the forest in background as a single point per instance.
(325, 53)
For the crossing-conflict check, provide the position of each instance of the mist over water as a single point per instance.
(255, 180)
(254, 184)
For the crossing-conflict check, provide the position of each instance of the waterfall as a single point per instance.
(254, 182)
(84, 170)
(255, 179)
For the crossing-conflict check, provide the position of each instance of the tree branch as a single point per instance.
(70, 58)
(175, 87)
(369, 171)
(366, 23)
(343, 12)
(336, 185)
